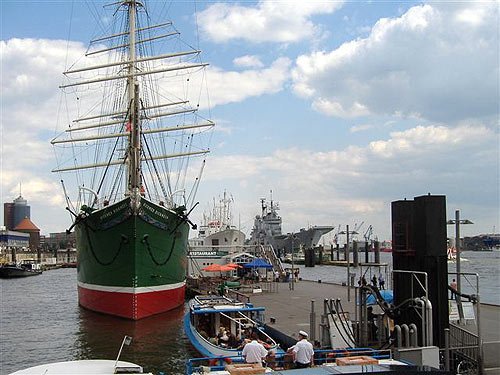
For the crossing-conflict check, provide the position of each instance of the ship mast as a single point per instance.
(122, 151)
(134, 156)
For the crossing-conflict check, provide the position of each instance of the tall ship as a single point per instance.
(267, 231)
(137, 145)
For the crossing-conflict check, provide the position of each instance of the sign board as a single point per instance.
(469, 313)
(467, 308)
(207, 254)
(453, 311)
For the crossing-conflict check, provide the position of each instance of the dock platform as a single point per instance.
(289, 311)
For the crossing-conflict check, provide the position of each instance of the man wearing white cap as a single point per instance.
(303, 352)
(254, 351)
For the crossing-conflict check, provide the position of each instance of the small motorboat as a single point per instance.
(220, 326)
(88, 366)
(452, 255)
(27, 267)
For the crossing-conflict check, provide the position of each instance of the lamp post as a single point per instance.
(292, 286)
(347, 232)
(457, 223)
(293, 274)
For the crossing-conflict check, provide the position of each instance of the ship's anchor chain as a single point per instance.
(79, 218)
(148, 246)
(124, 240)
(184, 218)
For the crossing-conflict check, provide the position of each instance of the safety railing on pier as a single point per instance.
(462, 351)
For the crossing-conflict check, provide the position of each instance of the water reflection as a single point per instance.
(41, 322)
(159, 343)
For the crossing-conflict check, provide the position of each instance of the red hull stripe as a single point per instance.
(131, 305)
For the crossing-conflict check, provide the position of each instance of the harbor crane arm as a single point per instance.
(368, 233)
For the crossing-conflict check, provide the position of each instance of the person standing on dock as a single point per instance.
(381, 281)
(303, 352)
(372, 318)
(254, 351)
(363, 281)
(374, 281)
(453, 287)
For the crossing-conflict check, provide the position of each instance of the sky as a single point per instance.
(337, 108)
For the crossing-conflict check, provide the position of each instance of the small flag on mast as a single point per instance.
(126, 341)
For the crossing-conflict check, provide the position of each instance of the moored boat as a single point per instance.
(23, 269)
(217, 240)
(84, 367)
(267, 231)
(451, 254)
(132, 148)
(208, 317)
(327, 362)
(87, 366)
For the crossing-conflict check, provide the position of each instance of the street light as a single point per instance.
(292, 237)
(457, 223)
(347, 232)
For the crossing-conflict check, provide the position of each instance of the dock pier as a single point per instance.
(290, 310)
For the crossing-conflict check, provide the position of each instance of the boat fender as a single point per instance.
(212, 362)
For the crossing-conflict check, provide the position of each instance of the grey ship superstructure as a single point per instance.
(267, 231)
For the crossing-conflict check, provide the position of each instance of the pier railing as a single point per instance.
(462, 351)
(237, 295)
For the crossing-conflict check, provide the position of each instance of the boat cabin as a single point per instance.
(228, 323)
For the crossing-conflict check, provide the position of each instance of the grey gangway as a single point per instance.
(267, 252)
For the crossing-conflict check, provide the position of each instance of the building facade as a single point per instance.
(14, 212)
(27, 226)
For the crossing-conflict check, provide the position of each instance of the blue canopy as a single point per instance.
(387, 295)
(258, 263)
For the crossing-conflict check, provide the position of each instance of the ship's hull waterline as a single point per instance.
(132, 265)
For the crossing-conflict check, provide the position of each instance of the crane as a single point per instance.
(368, 233)
(357, 227)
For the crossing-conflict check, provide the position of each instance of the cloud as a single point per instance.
(360, 128)
(424, 64)
(34, 109)
(359, 182)
(250, 61)
(235, 86)
(268, 21)
(35, 69)
(30, 102)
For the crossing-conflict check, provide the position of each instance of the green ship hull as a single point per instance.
(132, 265)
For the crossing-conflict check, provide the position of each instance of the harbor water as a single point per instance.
(485, 263)
(41, 322)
